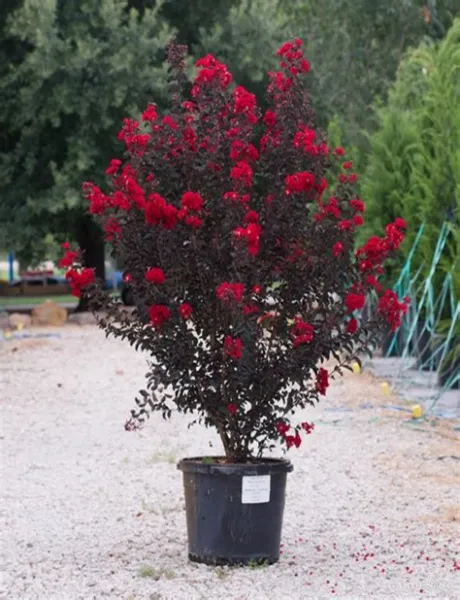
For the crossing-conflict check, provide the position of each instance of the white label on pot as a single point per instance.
(256, 489)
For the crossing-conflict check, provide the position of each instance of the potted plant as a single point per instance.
(245, 282)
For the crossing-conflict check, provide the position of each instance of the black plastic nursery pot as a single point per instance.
(234, 511)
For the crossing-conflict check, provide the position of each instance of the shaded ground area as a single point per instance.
(90, 511)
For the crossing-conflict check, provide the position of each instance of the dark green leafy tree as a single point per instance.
(414, 164)
(87, 65)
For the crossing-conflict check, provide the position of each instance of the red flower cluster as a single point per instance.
(211, 71)
(302, 332)
(243, 151)
(233, 347)
(374, 252)
(299, 182)
(159, 314)
(337, 249)
(150, 113)
(352, 326)
(308, 427)
(113, 167)
(251, 234)
(155, 275)
(245, 103)
(322, 381)
(358, 205)
(389, 306)
(305, 139)
(185, 311)
(112, 229)
(68, 259)
(293, 57)
(79, 280)
(158, 211)
(331, 209)
(242, 173)
(354, 301)
(134, 141)
(230, 292)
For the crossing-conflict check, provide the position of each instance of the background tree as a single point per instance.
(414, 164)
(88, 64)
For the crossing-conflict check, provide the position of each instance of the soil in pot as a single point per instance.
(234, 511)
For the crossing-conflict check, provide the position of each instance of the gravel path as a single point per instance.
(91, 512)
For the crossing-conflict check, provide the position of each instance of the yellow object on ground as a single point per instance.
(356, 368)
(417, 411)
(8, 334)
(386, 388)
(20, 326)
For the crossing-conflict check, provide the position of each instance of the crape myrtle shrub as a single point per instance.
(239, 254)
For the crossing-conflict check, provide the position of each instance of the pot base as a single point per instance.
(233, 561)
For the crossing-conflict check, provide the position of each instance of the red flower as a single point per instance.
(250, 309)
(358, 205)
(354, 301)
(169, 122)
(65, 246)
(79, 280)
(353, 178)
(389, 306)
(159, 314)
(339, 151)
(155, 275)
(293, 440)
(251, 217)
(158, 211)
(113, 167)
(302, 332)
(252, 235)
(245, 102)
(348, 165)
(242, 173)
(232, 408)
(337, 249)
(352, 326)
(342, 178)
(185, 310)
(112, 229)
(256, 289)
(299, 182)
(308, 427)
(282, 427)
(212, 71)
(230, 292)
(194, 222)
(99, 202)
(233, 347)
(358, 220)
(322, 381)
(401, 223)
(270, 119)
(192, 201)
(344, 225)
(150, 113)
(68, 259)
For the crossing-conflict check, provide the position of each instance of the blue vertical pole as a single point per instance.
(10, 266)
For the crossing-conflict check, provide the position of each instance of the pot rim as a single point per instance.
(261, 466)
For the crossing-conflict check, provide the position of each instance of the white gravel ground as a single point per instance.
(91, 512)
